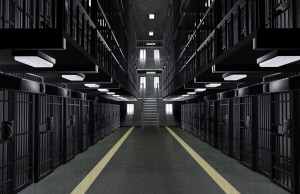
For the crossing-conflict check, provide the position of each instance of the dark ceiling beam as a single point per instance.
(254, 68)
(56, 69)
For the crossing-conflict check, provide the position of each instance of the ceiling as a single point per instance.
(141, 10)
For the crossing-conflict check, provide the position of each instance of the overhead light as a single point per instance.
(191, 93)
(200, 89)
(233, 77)
(74, 77)
(110, 93)
(36, 59)
(278, 58)
(92, 85)
(185, 95)
(150, 72)
(150, 44)
(213, 85)
(151, 33)
(151, 16)
(103, 90)
(116, 95)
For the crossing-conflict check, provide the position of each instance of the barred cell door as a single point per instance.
(220, 123)
(202, 120)
(246, 131)
(6, 143)
(225, 126)
(264, 164)
(86, 125)
(195, 119)
(281, 139)
(23, 141)
(71, 133)
(103, 120)
(212, 127)
(236, 129)
(48, 143)
(97, 123)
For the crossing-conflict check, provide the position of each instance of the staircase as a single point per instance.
(150, 114)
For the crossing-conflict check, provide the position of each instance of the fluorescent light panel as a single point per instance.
(200, 89)
(110, 93)
(279, 61)
(191, 93)
(34, 61)
(92, 85)
(116, 95)
(73, 77)
(103, 90)
(150, 44)
(213, 85)
(151, 16)
(150, 72)
(151, 33)
(235, 77)
(185, 95)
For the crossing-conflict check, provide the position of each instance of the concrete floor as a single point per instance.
(152, 161)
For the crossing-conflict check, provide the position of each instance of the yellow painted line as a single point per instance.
(91, 177)
(225, 185)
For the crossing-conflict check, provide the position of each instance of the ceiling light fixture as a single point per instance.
(150, 72)
(36, 59)
(116, 95)
(103, 90)
(191, 93)
(74, 77)
(278, 58)
(185, 95)
(92, 85)
(150, 44)
(151, 16)
(233, 77)
(151, 33)
(110, 93)
(200, 89)
(212, 85)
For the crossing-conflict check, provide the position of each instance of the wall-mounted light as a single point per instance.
(151, 16)
(278, 59)
(151, 33)
(191, 93)
(74, 77)
(103, 90)
(110, 93)
(92, 85)
(36, 59)
(212, 85)
(233, 77)
(200, 89)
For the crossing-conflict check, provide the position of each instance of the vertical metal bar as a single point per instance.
(36, 138)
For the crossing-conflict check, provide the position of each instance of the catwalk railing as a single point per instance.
(93, 25)
(199, 32)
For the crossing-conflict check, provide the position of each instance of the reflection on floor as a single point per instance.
(152, 161)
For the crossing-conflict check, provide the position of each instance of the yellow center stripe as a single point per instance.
(225, 186)
(91, 177)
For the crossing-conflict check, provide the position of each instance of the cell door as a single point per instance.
(212, 128)
(236, 129)
(86, 125)
(23, 169)
(220, 120)
(103, 120)
(6, 143)
(71, 136)
(264, 164)
(281, 139)
(97, 123)
(202, 120)
(246, 147)
(48, 136)
(224, 126)
(195, 119)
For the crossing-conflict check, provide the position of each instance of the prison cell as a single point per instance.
(212, 126)
(264, 135)
(48, 137)
(195, 119)
(23, 169)
(246, 131)
(236, 129)
(6, 143)
(86, 125)
(97, 122)
(103, 120)
(202, 119)
(281, 140)
(224, 128)
(71, 137)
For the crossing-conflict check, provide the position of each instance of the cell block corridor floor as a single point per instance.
(152, 161)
